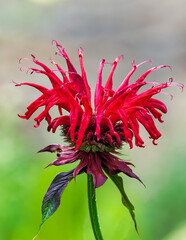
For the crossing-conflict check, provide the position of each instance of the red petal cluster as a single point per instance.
(125, 106)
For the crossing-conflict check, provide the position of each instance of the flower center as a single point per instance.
(109, 139)
(95, 147)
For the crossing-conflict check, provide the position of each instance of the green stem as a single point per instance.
(93, 208)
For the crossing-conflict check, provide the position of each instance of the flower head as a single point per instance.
(95, 135)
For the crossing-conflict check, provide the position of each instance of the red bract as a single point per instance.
(92, 162)
(115, 119)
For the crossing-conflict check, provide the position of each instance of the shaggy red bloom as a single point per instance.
(94, 135)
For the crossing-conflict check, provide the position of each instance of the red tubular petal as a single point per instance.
(48, 118)
(109, 138)
(73, 122)
(128, 136)
(157, 104)
(99, 88)
(146, 120)
(117, 138)
(65, 78)
(141, 79)
(38, 87)
(109, 82)
(135, 128)
(55, 81)
(33, 107)
(98, 129)
(86, 117)
(23, 117)
(121, 98)
(71, 68)
(153, 141)
(88, 92)
(73, 75)
(63, 120)
(108, 123)
(42, 115)
(126, 80)
(60, 110)
(79, 85)
(69, 100)
(155, 113)
(127, 132)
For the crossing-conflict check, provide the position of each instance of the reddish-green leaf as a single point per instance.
(51, 200)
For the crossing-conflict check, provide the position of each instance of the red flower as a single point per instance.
(116, 116)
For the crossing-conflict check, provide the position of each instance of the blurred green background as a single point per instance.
(138, 29)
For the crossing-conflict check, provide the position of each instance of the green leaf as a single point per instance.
(118, 181)
(51, 200)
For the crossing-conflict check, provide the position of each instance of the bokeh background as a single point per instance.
(138, 29)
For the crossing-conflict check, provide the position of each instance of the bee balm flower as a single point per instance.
(95, 135)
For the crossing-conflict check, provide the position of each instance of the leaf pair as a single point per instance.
(51, 200)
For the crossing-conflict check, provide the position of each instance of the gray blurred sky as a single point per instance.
(138, 29)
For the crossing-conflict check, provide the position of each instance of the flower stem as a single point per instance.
(93, 208)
